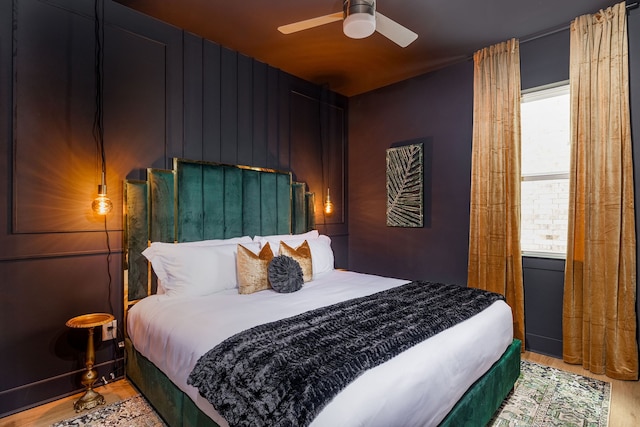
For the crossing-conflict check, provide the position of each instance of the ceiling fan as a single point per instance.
(359, 20)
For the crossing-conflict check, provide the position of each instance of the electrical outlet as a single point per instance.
(110, 331)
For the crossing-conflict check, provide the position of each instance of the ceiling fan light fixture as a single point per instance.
(359, 25)
(359, 18)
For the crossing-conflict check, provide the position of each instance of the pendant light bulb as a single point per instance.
(328, 206)
(102, 204)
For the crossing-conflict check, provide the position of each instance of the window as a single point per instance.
(545, 155)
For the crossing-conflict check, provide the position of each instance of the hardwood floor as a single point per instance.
(59, 410)
(625, 399)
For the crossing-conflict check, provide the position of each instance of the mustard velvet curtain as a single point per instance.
(599, 318)
(495, 262)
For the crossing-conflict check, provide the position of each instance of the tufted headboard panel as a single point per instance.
(200, 201)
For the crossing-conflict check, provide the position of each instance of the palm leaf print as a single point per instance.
(404, 186)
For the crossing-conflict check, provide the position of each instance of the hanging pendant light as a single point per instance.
(102, 204)
(328, 206)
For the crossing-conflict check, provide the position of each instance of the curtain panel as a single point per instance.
(599, 317)
(495, 261)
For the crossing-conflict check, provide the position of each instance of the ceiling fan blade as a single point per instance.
(310, 23)
(395, 32)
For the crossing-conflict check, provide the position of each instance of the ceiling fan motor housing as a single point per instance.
(359, 18)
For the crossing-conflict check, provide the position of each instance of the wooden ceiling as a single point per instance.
(448, 31)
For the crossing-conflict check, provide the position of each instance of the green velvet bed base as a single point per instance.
(484, 397)
(175, 407)
(475, 408)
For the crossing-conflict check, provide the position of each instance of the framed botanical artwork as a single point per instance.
(405, 186)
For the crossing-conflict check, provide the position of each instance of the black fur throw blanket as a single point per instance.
(283, 373)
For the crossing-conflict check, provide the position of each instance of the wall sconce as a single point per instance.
(328, 206)
(102, 204)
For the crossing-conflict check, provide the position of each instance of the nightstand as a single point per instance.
(90, 398)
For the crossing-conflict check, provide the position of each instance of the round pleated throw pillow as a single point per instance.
(285, 274)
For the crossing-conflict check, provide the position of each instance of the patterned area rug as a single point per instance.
(545, 396)
(132, 412)
(542, 396)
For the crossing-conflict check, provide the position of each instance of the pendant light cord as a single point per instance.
(98, 136)
(98, 125)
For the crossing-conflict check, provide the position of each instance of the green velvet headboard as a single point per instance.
(201, 201)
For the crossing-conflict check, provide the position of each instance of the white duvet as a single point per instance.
(416, 388)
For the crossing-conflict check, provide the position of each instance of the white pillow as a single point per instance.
(213, 242)
(313, 234)
(321, 255)
(186, 270)
(322, 259)
(157, 249)
(160, 288)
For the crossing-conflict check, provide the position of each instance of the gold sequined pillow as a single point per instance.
(253, 269)
(302, 254)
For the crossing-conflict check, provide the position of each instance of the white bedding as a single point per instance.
(416, 388)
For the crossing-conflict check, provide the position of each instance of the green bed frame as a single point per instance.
(475, 408)
(201, 200)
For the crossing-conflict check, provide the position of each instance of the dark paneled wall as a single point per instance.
(167, 94)
(543, 287)
(437, 109)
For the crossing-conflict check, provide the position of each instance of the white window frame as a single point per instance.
(532, 94)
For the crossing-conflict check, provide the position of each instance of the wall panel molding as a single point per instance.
(56, 171)
(318, 153)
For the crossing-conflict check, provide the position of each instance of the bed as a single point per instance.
(459, 376)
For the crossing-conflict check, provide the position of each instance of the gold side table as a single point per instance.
(90, 398)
